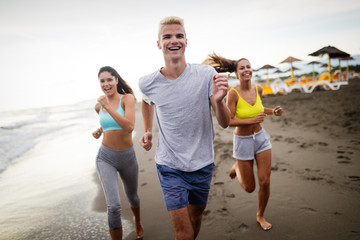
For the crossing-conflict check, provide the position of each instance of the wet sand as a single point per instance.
(315, 181)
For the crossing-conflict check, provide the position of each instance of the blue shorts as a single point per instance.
(245, 147)
(183, 188)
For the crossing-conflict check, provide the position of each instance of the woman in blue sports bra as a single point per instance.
(251, 141)
(116, 155)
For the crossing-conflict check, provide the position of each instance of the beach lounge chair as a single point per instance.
(293, 84)
(266, 89)
(325, 83)
(279, 87)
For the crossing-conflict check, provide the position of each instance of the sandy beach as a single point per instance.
(53, 191)
(315, 181)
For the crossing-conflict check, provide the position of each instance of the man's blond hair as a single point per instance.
(171, 20)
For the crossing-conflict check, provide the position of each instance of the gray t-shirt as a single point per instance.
(183, 113)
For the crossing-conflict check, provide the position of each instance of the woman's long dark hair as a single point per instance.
(222, 64)
(122, 86)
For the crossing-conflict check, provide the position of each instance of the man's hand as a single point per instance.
(146, 141)
(219, 87)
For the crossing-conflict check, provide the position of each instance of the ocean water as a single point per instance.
(22, 130)
(47, 164)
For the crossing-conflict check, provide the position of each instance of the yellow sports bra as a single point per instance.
(245, 110)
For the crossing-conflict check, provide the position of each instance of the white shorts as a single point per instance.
(245, 147)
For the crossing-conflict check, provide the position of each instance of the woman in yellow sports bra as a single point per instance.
(116, 156)
(251, 141)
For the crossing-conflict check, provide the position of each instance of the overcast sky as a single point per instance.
(51, 51)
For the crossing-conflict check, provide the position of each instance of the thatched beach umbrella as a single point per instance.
(291, 60)
(313, 63)
(278, 71)
(267, 67)
(347, 61)
(293, 69)
(324, 65)
(332, 52)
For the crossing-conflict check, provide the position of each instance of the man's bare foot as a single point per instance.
(232, 173)
(266, 226)
(138, 229)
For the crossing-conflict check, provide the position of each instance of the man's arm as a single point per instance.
(148, 117)
(219, 89)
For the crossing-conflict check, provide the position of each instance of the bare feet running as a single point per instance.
(138, 229)
(232, 173)
(266, 226)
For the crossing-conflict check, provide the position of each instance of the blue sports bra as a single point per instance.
(107, 122)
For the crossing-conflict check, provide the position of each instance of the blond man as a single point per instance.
(182, 95)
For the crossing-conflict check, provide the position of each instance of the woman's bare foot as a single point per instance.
(139, 230)
(266, 226)
(232, 173)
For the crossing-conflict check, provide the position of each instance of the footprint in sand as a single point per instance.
(345, 159)
(218, 144)
(306, 145)
(230, 195)
(344, 162)
(277, 138)
(206, 212)
(218, 183)
(226, 155)
(278, 167)
(308, 209)
(314, 178)
(275, 168)
(324, 144)
(310, 174)
(310, 170)
(223, 211)
(355, 142)
(348, 149)
(291, 140)
(243, 227)
(343, 155)
(355, 178)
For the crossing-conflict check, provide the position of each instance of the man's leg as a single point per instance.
(198, 196)
(195, 214)
(185, 198)
(181, 223)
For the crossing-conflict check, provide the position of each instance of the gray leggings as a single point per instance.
(108, 163)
